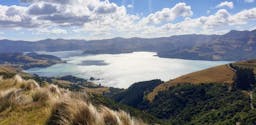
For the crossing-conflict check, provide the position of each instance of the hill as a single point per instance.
(134, 95)
(35, 101)
(218, 95)
(213, 104)
(25, 102)
(247, 64)
(220, 74)
(224, 74)
(235, 45)
(28, 60)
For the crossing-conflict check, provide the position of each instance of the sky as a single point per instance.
(103, 19)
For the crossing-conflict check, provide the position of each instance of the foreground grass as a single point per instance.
(28, 115)
(25, 102)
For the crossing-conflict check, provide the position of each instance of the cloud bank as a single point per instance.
(97, 19)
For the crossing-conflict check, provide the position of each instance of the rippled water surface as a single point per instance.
(122, 70)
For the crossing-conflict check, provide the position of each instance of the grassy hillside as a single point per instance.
(38, 101)
(7, 71)
(29, 60)
(26, 102)
(219, 74)
(135, 94)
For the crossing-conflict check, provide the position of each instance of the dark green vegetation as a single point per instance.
(201, 104)
(134, 95)
(68, 82)
(235, 45)
(244, 78)
(29, 60)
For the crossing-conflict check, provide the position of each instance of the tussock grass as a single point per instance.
(73, 111)
(25, 102)
(41, 96)
(1, 78)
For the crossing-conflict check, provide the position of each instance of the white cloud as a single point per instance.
(106, 8)
(249, 1)
(244, 16)
(42, 9)
(15, 16)
(225, 4)
(58, 12)
(169, 14)
(130, 6)
(218, 19)
(219, 22)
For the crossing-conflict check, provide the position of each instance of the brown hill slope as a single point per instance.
(8, 71)
(219, 74)
(247, 64)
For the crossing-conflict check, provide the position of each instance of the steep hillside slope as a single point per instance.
(220, 74)
(204, 104)
(25, 102)
(7, 71)
(224, 74)
(247, 64)
(135, 94)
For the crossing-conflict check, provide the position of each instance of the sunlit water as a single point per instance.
(122, 70)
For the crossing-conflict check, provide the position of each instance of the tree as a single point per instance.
(244, 78)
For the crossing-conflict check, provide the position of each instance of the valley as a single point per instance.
(127, 62)
(174, 90)
(196, 98)
(198, 93)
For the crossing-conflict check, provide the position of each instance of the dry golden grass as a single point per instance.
(18, 105)
(8, 69)
(25, 102)
(98, 91)
(219, 74)
(62, 83)
(77, 112)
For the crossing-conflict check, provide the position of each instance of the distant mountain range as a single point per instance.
(235, 45)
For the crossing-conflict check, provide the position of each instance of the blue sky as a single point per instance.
(200, 7)
(100, 19)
